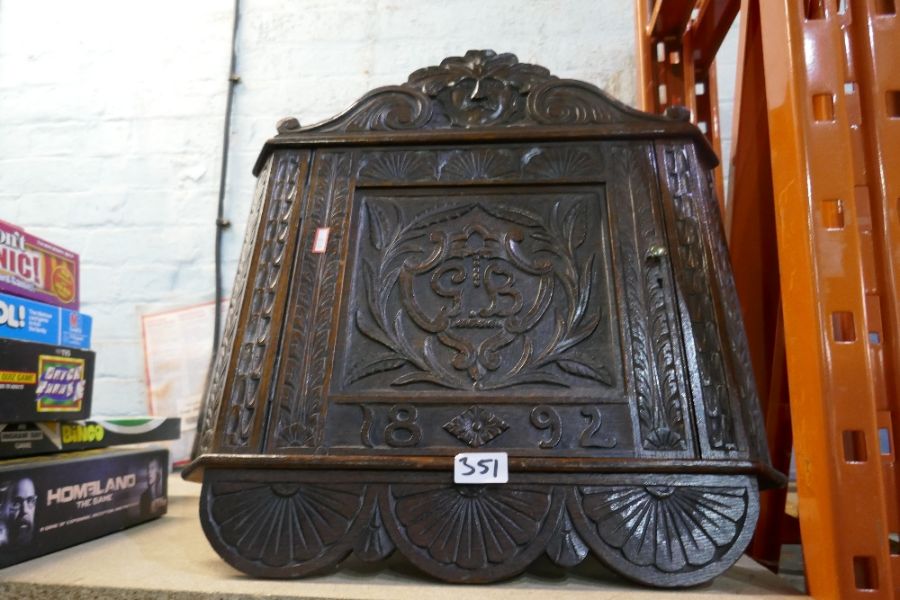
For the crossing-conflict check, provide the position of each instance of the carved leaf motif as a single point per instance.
(284, 524)
(374, 544)
(474, 527)
(581, 369)
(566, 548)
(669, 527)
(380, 365)
(575, 226)
(514, 214)
(376, 225)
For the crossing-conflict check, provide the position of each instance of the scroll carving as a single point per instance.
(480, 89)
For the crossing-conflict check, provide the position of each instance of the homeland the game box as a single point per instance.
(53, 502)
(43, 383)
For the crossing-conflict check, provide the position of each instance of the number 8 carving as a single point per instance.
(403, 419)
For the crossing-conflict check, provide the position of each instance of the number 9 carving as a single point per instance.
(544, 417)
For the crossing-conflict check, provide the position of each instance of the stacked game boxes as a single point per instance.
(46, 382)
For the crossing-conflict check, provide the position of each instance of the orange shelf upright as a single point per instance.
(814, 220)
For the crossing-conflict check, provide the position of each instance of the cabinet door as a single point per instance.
(497, 297)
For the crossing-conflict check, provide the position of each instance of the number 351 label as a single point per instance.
(480, 467)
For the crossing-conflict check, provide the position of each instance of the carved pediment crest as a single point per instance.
(480, 89)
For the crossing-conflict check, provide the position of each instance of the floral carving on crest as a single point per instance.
(480, 88)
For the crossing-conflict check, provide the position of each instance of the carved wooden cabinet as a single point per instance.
(484, 258)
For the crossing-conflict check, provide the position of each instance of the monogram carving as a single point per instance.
(476, 283)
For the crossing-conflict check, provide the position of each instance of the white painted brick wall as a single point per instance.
(111, 115)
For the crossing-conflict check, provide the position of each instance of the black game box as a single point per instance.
(44, 383)
(26, 439)
(53, 502)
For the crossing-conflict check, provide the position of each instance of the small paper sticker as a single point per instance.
(480, 467)
(320, 243)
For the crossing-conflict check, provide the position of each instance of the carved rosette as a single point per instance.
(281, 529)
(663, 531)
(668, 531)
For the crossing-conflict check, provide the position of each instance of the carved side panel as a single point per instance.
(696, 286)
(257, 338)
(658, 372)
(212, 403)
(312, 300)
(737, 346)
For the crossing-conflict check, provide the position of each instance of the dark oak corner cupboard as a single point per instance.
(485, 258)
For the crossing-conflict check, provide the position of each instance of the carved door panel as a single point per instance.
(483, 297)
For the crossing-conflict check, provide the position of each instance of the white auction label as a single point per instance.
(320, 242)
(480, 467)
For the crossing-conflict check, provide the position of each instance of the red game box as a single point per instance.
(34, 268)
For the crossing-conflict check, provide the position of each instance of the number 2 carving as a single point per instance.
(590, 437)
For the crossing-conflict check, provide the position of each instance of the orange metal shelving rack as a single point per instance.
(813, 214)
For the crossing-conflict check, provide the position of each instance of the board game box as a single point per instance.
(25, 439)
(52, 502)
(32, 321)
(39, 382)
(36, 269)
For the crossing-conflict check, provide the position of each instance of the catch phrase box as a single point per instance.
(54, 502)
(39, 382)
